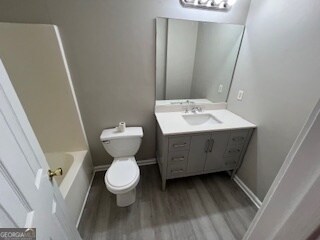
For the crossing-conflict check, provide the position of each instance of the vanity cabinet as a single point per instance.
(200, 153)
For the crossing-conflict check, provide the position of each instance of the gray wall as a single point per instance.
(216, 55)
(110, 46)
(161, 57)
(181, 51)
(279, 69)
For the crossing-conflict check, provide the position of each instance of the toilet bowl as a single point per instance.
(123, 175)
(122, 178)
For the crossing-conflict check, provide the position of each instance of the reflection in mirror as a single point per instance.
(195, 60)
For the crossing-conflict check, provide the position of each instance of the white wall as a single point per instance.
(110, 46)
(216, 55)
(278, 69)
(32, 57)
(181, 51)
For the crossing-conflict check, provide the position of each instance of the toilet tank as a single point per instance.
(122, 144)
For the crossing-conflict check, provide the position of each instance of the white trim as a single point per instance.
(63, 55)
(139, 162)
(150, 161)
(85, 199)
(247, 191)
(101, 168)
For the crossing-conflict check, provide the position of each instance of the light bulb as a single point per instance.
(203, 2)
(231, 2)
(217, 2)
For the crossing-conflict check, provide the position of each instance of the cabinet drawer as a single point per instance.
(237, 138)
(233, 151)
(177, 157)
(179, 143)
(230, 162)
(176, 169)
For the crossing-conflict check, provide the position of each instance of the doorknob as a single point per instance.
(57, 172)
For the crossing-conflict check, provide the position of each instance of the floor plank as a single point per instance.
(210, 206)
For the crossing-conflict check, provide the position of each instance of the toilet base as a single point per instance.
(126, 199)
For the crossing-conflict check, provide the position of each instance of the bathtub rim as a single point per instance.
(78, 159)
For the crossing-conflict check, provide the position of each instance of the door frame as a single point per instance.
(291, 208)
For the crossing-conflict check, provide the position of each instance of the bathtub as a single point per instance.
(75, 180)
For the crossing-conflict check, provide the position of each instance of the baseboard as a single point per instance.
(139, 162)
(85, 199)
(247, 191)
(147, 162)
(101, 168)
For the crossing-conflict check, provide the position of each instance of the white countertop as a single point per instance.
(172, 123)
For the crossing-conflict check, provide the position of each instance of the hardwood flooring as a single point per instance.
(203, 207)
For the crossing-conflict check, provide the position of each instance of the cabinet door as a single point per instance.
(197, 152)
(217, 148)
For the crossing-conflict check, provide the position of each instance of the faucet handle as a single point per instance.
(196, 109)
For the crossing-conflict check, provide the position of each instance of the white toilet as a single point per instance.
(123, 175)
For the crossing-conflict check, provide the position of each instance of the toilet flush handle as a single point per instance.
(106, 141)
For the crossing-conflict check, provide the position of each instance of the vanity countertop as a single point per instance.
(172, 123)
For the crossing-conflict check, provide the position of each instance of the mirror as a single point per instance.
(195, 60)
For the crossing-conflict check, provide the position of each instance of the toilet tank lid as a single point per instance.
(113, 133)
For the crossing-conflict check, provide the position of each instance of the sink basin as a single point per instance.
(201, 119)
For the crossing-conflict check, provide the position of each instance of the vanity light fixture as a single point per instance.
(209, 4)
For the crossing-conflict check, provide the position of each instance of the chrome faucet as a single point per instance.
(188, 103)
(196, 109)
(191, 107)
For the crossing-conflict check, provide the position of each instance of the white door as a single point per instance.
(27, 197)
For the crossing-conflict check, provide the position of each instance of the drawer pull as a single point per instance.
(234, 151)
(230, 163)
(206, 148)
(177, 159)
(178, 145)
(177, 171)
(211, 146)
(237, 139)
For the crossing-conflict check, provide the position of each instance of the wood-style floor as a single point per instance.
(203, 207)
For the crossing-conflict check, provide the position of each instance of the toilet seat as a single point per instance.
(123, 175)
